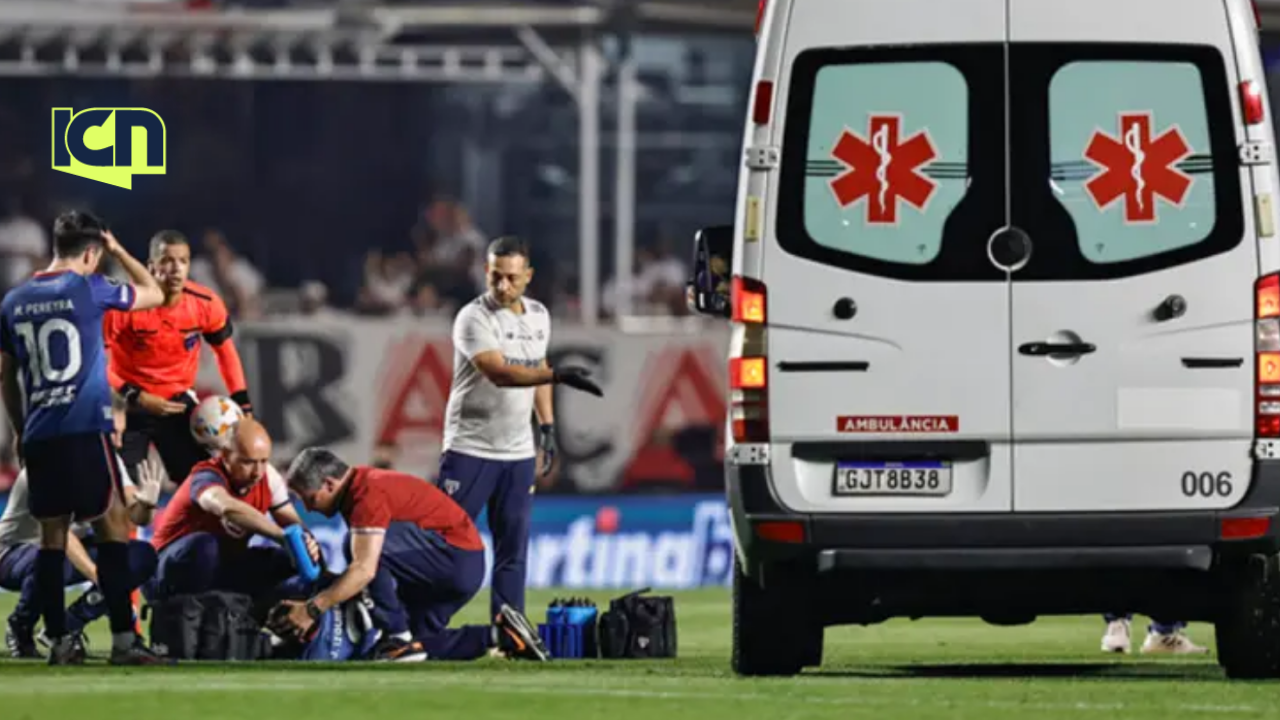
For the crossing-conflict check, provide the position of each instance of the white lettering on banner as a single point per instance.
(898, 424)
(579, 557)
(381, 385)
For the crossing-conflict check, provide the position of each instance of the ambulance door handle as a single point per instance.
(1174, 306)
(1040, 349)
(845, 308)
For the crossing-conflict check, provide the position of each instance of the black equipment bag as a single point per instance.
(639, 627)
(209, 626)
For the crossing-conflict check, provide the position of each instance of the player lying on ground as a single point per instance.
(19, 547)
(501, 378)
(416, 552)
(54, 383)
(155, 355)
(203, 534)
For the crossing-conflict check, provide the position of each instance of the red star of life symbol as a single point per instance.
(1138, 168)
(884, 169)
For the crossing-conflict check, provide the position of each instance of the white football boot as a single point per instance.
(1174, 643)
(1117, 637)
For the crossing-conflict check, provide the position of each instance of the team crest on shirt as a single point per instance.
(191, 340)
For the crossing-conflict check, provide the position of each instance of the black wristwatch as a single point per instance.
(313, 610)
(130, 393)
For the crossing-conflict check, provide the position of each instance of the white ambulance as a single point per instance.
(1005, 321)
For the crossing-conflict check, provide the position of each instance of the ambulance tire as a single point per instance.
(1248, 629)
(772, 631)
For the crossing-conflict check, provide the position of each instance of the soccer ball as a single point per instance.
(212, 420)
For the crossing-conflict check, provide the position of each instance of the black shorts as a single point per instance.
(72, 475)
(171, 434)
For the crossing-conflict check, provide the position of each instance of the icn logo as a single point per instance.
(109, 145)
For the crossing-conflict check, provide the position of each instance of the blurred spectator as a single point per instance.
(453, 234)
(23, 245)
(233, 277)
(657, 285)
(313, 298)
(662, 276)
(424, 300)
(387, 281)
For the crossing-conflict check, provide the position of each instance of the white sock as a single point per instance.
(405, 636)
(122, 641)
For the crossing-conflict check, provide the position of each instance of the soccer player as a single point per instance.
(500, 379)
(418, 554)
(54, 382)
(155, 356)
(202, 535)
(20, 540)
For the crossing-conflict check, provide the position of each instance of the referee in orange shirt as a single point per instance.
(154, 355)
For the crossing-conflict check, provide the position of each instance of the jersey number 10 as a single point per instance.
(40, 359)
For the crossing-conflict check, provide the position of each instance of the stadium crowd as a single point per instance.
(440, 269)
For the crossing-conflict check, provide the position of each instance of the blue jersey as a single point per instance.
(52, 325)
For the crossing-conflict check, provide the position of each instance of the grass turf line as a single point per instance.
(928, 669)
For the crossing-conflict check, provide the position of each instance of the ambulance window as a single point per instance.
(893, 160)
(886, 158)
(1131, 157)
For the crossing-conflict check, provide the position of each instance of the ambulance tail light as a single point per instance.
(1245, 528)
(1251, 102)
(782, 531)
(764, 5)
(749, 366)
(1257, 16)
(762, 103)
(748, 297)
(749, 399)
(1267, 356)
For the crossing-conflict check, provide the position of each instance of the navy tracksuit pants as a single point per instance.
(201, 562)
(505, 489)
(18, 573)
(421, 583)
(1164, 628)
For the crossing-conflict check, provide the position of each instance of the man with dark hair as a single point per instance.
(155, 357)
(54, 384)
(500, 380)
(416, 552)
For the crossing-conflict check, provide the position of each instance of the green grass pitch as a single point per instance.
(953, 669)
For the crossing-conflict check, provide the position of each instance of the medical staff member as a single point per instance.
(500, 380)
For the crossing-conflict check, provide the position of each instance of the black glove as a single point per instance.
(578, 379)
(547, 444)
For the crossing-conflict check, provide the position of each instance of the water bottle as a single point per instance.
(296, 543)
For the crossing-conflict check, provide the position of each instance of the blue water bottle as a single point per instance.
(296, 543)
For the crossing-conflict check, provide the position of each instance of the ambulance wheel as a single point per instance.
(1248, 630)
(813, 646)
(772, 632)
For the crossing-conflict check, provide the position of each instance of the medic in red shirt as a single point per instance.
(420, 557)
(202, 535)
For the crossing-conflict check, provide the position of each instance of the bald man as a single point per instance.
(202, 535)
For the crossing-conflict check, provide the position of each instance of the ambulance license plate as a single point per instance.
(927, 477)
